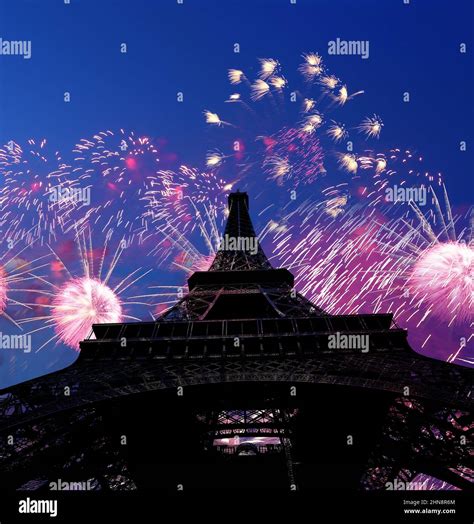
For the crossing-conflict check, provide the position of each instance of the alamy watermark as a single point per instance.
(400, 485)
(15, 48)
(67, 485)
(406, 194)
(349, 47)
(73, 195)
(248, 244)
(341, 341)
(22, 342)
(28, 505)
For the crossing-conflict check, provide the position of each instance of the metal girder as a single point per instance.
(94, 382)
(423, 437)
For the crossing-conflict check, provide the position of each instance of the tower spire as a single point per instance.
(240, 249)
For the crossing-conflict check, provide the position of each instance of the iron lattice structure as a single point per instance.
(242, 323)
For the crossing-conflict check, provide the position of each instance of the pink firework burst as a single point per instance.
(80, 303)
(85, 295)
(445, 275)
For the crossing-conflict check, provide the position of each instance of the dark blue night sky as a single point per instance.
(189, 48)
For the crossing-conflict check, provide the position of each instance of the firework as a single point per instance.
(188, 216)
(342, 95)
(19, 277)
(312, 66)
(118, 170)
(179, 187)
(278, 167)
(335, 206)
(85, 296)
(278, 82)
(371, 126)
(357, 258)
(79, 304)
(268, 66)
(337, 131)
(273, 113)
(312, 122)
(235, 76)
(31, 176)
(214, 158)
(259, 90)
(444, 274)
(234, 97)
(292, 152)
(190, 243)
(368, 176)
(213, 118)
(380, 165)
(349, 162)
(308, 104)
(329, 82)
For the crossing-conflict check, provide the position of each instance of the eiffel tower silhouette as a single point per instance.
(242, 379)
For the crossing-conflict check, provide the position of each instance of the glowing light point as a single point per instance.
(80, 303)
(444, 274)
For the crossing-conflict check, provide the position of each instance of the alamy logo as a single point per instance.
(406, 194)
(15, 342)
(400, 485)
(341, 341)
(249, 244)
(16, 47)
(64, 485)
(70, 194)
(38, 506)
(349, 47)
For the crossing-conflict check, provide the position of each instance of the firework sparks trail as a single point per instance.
(118, 169)
(269, 113)
(31, 177)
(213, 118)
(293, 150)
(312, 66)
(235, 76)
(188, 217)
(259, 89)
(337, 131)
(368, 176)
(85, 297)
(371, 126)
(268, 66)
(349, 162)
(18, 276)
(353, 259)
(342, 95)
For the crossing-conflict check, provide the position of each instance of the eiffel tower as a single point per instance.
(244, 383)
